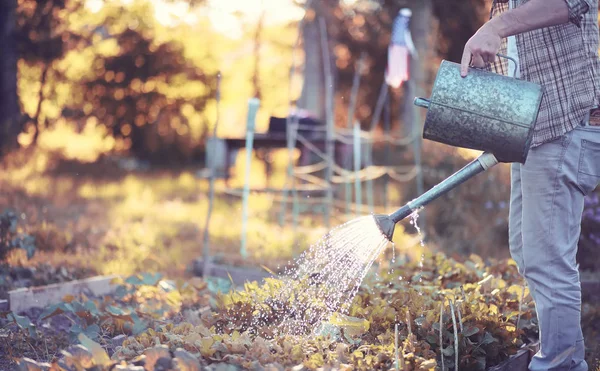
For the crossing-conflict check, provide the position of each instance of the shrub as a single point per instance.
(10, 239)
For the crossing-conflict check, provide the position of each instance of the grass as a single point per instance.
(148, 221)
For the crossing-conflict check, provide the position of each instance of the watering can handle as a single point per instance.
(512, 59)
(424, 103)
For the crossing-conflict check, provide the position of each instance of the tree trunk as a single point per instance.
(9, 103)
(313, 96)
(257, 47)
(419, 27)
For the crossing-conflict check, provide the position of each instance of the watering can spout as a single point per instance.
(387, 223)
(421, 102)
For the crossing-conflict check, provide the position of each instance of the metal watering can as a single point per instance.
(484, 111)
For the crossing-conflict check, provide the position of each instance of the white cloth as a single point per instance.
(511, 51)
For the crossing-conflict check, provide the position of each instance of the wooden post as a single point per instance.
(379, 106)
(357, 157)
(351, 109)
(211, 189)
(386, 129)
(369, 163)
(291, 142)
(420, 26)
(253, 105)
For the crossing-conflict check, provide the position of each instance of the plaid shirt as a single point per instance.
(564, 60)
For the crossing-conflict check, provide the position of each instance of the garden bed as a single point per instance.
(192, 321)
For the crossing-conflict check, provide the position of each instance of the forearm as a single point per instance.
(532, 15)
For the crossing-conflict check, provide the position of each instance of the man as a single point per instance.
(555, 43)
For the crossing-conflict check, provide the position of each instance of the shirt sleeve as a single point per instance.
(577, 8)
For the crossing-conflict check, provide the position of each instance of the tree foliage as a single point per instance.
(113, 68)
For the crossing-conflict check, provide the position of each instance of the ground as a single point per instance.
(100, 219)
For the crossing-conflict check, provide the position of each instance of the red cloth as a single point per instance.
(398, 65)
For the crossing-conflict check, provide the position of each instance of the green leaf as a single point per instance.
(121, 292)
(55, 310)
(432, 339)
(92, 331)
(419, 321)
(24, 323)
(115, 311)
(480, 364)
(470, 331)
(144, 279)
(91, 307)
(75, 330)
(78, 306)
(137, 326)
(488, 339)
(449, 351)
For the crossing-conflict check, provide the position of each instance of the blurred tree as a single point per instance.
(43, 37)
(257, 46)
(146, 94)
(316, 46)
(135, 80)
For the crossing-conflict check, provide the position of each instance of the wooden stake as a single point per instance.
(455, 336)
(458, 305)
(330, 119)
(253, 105)
(211, 187)
(351, 109)
(408, 321)
(396, 347)
(291, 145)
(387, 118)
(442, 334)
(357, 180)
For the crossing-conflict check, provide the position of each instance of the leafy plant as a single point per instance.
(10, 239)
(138, 302)
(417, 316)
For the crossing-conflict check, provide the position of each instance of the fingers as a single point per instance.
(478, 61)
(476, 58)
(465, 61)
(488, 57)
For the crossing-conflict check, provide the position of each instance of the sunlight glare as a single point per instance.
(224, 19)
(94, 6)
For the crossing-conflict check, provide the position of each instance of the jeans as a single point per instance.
(546, 206)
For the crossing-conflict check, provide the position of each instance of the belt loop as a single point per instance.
(593, 117)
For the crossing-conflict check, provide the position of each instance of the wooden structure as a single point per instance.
(343, 155)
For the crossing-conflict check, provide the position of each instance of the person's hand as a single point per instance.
(481, 49)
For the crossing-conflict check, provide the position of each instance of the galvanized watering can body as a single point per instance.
(482, 111)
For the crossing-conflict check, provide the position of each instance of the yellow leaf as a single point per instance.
(206, 347)
(352, 326)
(99, 355)
(315, 361)
(428, 365)
(297, 353)
(68, 298)
(518, 291)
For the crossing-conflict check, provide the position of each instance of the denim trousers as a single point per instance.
(546, 206)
